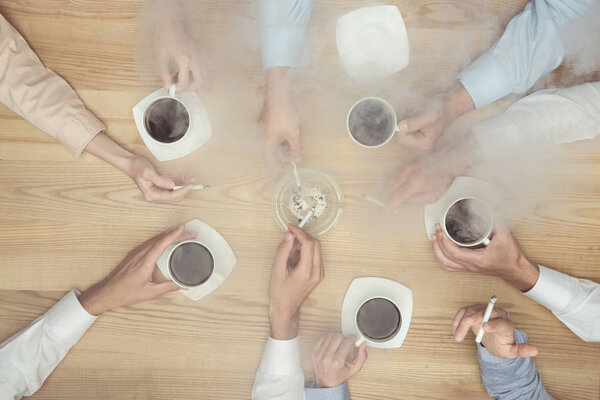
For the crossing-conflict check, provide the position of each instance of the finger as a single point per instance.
(471, 319)
(447, 264)
(457, 318)
(333, 345)
(158, 289)
(165, 72)
(345, 348)
(360, 359)
(283, 252)
(183, 76)
(456, 253)
(198, 73)
(319, 344)
(159, 195)
(307, 250)
(423, 198)
(402, 194)
(164, 240)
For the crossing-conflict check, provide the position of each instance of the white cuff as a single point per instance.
(67, 320)
(554, 290)
(282, 357)
(485, 80)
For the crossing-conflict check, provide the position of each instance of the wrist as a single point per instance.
(525, 275)
(275, 77)
(91, 301)
(458, 102)
(283, 326)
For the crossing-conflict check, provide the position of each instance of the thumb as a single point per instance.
(360, 359)
(525, 350)
(283, 251)
(417, 123)
(161, 181)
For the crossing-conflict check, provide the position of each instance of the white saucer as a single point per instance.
(372, 42)
(198, 133)
(221, 251)
(363, 289)
(462, 186)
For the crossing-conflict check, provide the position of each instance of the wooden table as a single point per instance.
(66, 223)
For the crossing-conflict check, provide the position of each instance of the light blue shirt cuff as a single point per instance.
(339, 392)
(485, 80)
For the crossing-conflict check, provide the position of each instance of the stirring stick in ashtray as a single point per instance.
(373, 200)
(295, 171)
(195, 187)
(486, 318)
(306, 217)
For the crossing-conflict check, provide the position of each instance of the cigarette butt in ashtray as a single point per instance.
(306, 218)
(195, 187)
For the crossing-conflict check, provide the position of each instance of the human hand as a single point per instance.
(292, 282)
(154, 187)
(131, 282)
(421, 132)
(176, 54)
(499, 338)
(281, 125)
(503, 257)
(331, 359)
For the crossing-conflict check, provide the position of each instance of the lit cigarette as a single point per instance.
(486, 318)
(373, 200)
(195, 187)
(296, 176)
(306, 217)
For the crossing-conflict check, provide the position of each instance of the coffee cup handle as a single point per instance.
(486, 242)
(172, 90)
(359, 341)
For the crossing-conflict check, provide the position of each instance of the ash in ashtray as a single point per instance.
(305, 197)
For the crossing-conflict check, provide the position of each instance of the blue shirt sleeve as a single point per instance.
(339, 392)
(534, 43)
(283, 26)
(511, 379)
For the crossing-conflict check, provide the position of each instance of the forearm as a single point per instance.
(40, 95)
(27, 358)
(506, 379)
(283, 25)
(103, 147)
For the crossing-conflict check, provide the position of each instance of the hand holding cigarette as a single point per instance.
(499, 338)
(334, 360)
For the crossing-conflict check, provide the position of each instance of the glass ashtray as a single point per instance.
(318, 192)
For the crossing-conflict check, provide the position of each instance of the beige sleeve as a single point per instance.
(40, 96)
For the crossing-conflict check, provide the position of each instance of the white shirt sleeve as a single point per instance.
(27, 358)
(576, 302)
(533, 44)
(283, 25)
(543, 119)
(280, 374)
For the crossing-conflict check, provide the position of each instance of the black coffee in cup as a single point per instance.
(371, 122)
(378, 319)
(191, 264)
(167, 120)
(468, 221)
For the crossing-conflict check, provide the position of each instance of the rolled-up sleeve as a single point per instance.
(283, 25)
(534, 43)
(40, 96)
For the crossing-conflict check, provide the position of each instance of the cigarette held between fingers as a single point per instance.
(195, 187)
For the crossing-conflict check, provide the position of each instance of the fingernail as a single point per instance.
(459, 336)
(288, 236)
(433, 237)
(402, 126)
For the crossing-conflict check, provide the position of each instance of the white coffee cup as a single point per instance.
(386, 105)
(169, 272)
(484, 239)
(361, 337)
